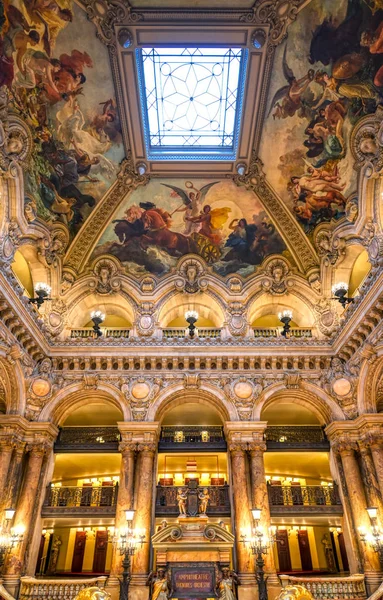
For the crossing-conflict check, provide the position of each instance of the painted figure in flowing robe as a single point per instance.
(227, 585)
(159, 585)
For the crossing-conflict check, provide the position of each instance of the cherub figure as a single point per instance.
(181, 499)
(204, 498)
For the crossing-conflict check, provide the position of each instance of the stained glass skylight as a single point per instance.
(192, 101)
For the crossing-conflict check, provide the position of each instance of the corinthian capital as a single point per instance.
(126, 447)
(238, 447)
(344, 446)
(147, 447)
(257, 447)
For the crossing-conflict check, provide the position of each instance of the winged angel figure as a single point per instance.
(288, 99)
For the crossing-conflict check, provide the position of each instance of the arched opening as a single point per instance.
(210, 313)
(286, 412)
(118, 312)
(265, 310)
(84, 483)
(192, 413)
(354, 268)
(360, 270)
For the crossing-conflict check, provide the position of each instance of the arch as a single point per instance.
(204, 303)
(354, 267)
(206, 394)
(369, 378)
(308, 395)
(22, 272)
(27, 256)
(13, 384)
(83, 305)
(265, 305)
(75, 396)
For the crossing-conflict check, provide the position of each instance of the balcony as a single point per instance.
(275, 332)
(292, 437)
(201, 332)
(80, 501)
(87, 439)
(197, 438)
(304, 500)
(107, 332)
(167, 506)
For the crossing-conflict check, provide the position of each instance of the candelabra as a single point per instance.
(375, 537)
(259, 544)
(97, 317)
(42, 291)
(191, 317)
(126, 541)
(9, 539)
(285, 317)
(339, 291)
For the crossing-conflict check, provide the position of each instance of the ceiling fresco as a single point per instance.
(168, 218)
(53, 65)
(326, 75)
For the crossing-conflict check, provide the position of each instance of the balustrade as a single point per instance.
(107, 332)
(77, 500)
(4, 595)
(292, 436)
(185, 437)
(219, 503)
(201, 332)
(273, 332)
(56, 589)
(91, 439)
(303, 497)
(330, 588)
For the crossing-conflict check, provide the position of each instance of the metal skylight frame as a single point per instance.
(184, 152)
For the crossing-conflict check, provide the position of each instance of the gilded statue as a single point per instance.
(181, 499)
(294, 592)
(227, 585)
(159, 585)
(93, 593)
(204, 498)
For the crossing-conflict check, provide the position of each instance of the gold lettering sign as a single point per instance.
(188, 580)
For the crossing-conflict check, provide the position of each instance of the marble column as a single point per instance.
(371, 485)
(143, 515)
(14, 474)
(260, 499)
(375, 442)
(242, 515)
(355, 488)
(24, 514)
(124, 502)
(6, 447)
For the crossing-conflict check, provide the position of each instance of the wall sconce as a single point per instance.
(42, 291)
(375, 537)
(285, 317)
(97, 317)
(339, 291)
(9, 540)
(126, 541)
(191, 317)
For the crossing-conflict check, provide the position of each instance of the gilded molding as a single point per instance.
(278, 14)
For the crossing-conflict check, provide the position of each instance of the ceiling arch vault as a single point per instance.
(145, 173)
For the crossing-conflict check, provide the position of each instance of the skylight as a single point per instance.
(191, 100)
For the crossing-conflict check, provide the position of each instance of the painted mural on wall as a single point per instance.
(327, 75)
(62, 86)
(224, 224)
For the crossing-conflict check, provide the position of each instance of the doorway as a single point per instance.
(283, 549)
(100, 551)
(304, 550)
(78, 552)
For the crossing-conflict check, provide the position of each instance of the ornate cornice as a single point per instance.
(278, 14)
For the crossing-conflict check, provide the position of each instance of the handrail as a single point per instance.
(4, 595)
(70, 496)
(67, 589)
(377, 594)
(303, 495)
(326, 588)
(88, 332)
(273, 332)
(200, 332)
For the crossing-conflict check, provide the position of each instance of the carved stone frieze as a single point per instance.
(341, 383)
(278, 14)
(366, 143)
(105, 14)
(127, 181)
(15, 137)
(327, 319)
(191, 271)
(55, 316)
(52, 250)
(331, 248)
(296, 240)
(243, 392)
(146, 320)
(140, 393)
(237, 321)
(276, 280)
(105, 280)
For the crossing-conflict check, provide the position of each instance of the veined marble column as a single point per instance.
(361, 519)
(14, 473)
(371, 484)
(242, 518)
(260, 499)
(24, 514)
(6, 451)
(143, 516)
(124, 502)
(376, 445)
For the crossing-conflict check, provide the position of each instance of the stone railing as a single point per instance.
(378, 594)
(330, 588)
(107, 332)
(4, 595)
(274, 332)
(72, 500)
(60, 589)
(279, 437)
(167, 505)
(286, 499)
(88, 439)
(188, 437)
(201, 332)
